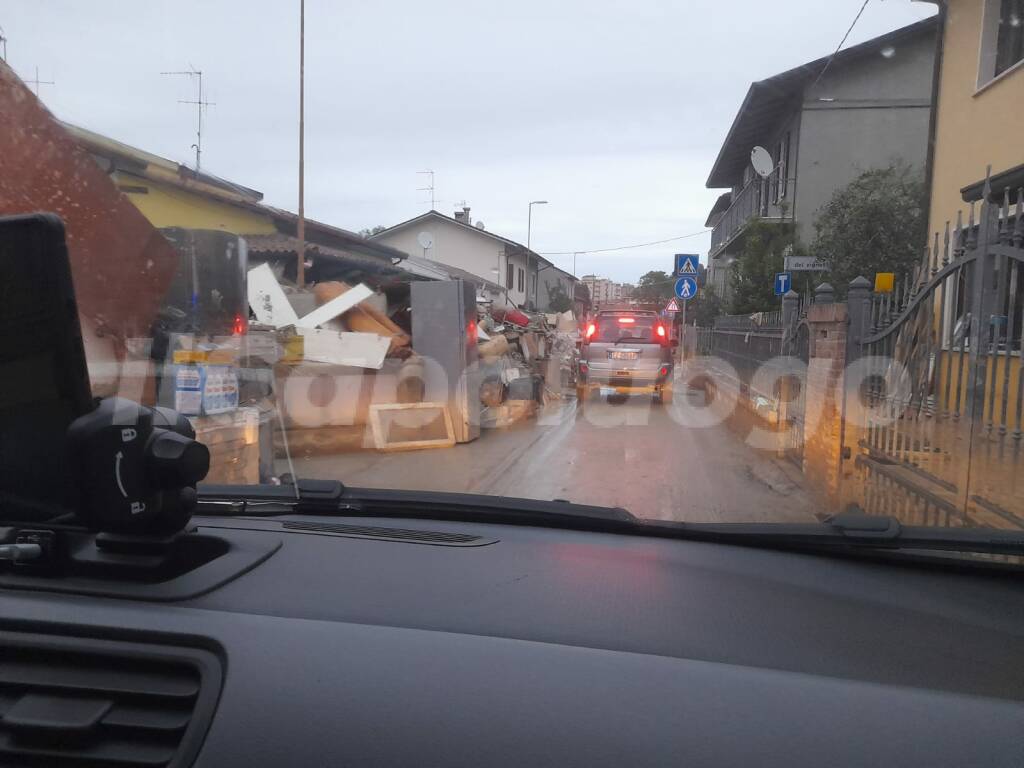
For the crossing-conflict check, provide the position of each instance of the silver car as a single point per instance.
(627, 352)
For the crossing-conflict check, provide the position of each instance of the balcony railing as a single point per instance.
(760, 197)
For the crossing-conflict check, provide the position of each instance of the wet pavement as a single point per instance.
(632, 454)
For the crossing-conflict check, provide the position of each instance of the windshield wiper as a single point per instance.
(850, 531)
(327, 497)
(855, 530)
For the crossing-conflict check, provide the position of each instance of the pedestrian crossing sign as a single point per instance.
(686, 264)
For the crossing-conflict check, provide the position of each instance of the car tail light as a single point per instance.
(660, 330)
(591, 330)
(664, 371)
(239, 326)
(626, 320)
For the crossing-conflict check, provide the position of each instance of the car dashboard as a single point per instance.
(362, 641)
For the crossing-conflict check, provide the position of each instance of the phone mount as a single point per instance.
(135, 468)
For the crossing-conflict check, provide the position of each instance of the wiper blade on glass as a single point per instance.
(854, 530)
(320, 497)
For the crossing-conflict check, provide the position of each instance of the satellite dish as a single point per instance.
(425, 239)
(761, 159)
(479, 225)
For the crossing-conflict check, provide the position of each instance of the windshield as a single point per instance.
(416, 261)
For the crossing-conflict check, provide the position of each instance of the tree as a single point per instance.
(558, 299)
(654, 286)
(876, 223)
(706, 307)
(753, 272)
(372, 231)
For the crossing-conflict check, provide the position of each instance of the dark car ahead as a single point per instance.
(629, 352)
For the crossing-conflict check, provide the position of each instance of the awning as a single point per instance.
(1012, 179)
(327, 263)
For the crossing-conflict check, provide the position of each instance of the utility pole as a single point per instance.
(200, 105)
(37, 82)
(429, 188)
(300, 268)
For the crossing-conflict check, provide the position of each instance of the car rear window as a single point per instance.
(615, 327)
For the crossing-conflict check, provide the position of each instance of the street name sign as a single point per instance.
(783, 282)
(803, 264)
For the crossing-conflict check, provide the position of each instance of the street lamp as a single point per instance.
(529, 223)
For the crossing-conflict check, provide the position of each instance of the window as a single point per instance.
(1002, 38)
(781, 156)
(521, 274)
(510, 275)
(1010, 37)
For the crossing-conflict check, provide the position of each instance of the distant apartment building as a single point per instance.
(602, 290)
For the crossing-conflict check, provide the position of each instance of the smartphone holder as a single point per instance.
(136, 468)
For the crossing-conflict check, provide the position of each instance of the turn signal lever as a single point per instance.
(136, 468)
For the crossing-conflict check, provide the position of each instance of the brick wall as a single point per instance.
(823, 444)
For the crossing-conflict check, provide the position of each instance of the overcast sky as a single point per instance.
(613, 110)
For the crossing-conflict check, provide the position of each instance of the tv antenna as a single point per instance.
(429, 188)
(37, 82)
(3, 44)
(200, 104)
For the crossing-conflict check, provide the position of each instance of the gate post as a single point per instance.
(823, 447)
(858, 311)
(790, 318)
(858, 308)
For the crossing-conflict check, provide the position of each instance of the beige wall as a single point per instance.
(459, 247)
(975, 126)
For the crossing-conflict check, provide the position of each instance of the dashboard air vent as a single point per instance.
(390, 534)
(84, 703)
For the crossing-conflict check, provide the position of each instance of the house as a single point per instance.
(822, 123)
(979, 105)
(456, 242)
(172, 195)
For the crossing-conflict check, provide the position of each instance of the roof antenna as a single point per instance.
(429, 188)
(37, 82)
(3, 44)
(200, 105)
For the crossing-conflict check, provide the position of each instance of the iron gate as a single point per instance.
(940, 398)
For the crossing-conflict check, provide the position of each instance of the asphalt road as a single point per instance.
(632, 454)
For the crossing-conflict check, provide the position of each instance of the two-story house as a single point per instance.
(457, 242)
(979, 105)
(823, 123)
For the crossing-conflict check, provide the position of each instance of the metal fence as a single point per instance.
(944, 383)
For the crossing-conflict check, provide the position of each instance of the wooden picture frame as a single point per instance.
(378, 416)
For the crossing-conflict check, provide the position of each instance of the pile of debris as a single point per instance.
(526, 360)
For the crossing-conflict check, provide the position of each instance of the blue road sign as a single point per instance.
(686, 264)
(686, 288)
(783, 282)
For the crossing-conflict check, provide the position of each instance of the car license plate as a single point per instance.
(619, 354)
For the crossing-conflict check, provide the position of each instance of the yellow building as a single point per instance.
(173, 195)
(979, 110)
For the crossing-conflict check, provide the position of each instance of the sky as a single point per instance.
(611, 110)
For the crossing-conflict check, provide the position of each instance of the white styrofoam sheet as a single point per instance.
(360, 350)
(267, 298)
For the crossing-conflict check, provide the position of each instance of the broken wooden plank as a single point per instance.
(339, 305)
